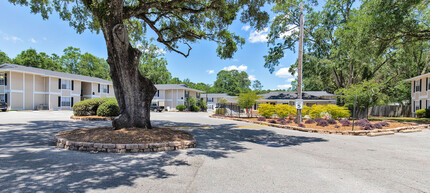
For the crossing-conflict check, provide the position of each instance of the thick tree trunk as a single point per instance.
(133, 92)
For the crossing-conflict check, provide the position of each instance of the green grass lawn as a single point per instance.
(402, 119)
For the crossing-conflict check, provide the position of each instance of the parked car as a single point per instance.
(155, 107)
(3, 106)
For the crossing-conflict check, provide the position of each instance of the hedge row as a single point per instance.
(99, 107)
(284, 110)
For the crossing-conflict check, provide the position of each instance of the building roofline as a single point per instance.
(417, 77)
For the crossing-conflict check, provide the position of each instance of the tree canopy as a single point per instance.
(232, 82)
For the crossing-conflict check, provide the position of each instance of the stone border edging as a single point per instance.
(91, 118)
(311, 130)
(123, 148)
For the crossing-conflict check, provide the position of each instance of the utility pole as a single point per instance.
(300, 62)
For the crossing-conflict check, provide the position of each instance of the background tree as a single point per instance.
(232, 82)
(247, 100)
(173, 22)
(31, 58)
(4, 58)
(153, 66)
(257, 86)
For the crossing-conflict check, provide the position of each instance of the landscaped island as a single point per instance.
(323, 119)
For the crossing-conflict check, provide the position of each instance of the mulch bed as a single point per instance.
(125, 136)
(92, 118)
(331, 127)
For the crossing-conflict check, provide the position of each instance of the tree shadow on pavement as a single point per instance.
(29, 161)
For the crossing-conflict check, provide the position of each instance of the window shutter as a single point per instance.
(71, 101)
(427, 83)
(427, 103)
(99, 88)
(73, 85)
(5, 79)
(420, 104)
(414, 86)
(59, 83)
(421, 83)
(5, 98)
(108, 88)
(59, 101)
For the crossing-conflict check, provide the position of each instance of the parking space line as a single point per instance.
(187, 127)
(251, 126)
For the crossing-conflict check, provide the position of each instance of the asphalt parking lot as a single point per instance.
(230, 157)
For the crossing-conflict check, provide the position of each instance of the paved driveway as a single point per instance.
(230, 157)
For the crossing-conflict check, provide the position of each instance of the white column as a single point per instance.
(49, 93)
(23, 89)
(34, 84)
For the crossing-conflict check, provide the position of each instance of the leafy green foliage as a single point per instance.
(336, 112)
(421, 113)
(220, 111)
(191, 101)
(89, 107)
(247, 100)
(181, 107)
(257, 86)
(232, 82)
(202, 104)
(368, 93)
(283, 110)
(4, 58)
(194, 108)
(108, 109)
(31, 58)
(266, 110)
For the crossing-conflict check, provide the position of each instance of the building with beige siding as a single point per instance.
(171, 95)
(28, 88)
(420, 92)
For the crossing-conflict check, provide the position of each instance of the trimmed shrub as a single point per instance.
(194, 108)
(108, 109)
(345, 122)
(318, 119)
(367, 126)
(377, 125)
(183, 107)
(281, 119)
(266, 110)
(334, 111)
(272, 121)
(420, 113)
(261, 118)
(301, 125)
(384, 124)
(283, 122)
(336, 126)
(89, 107)
(331, 121)
(322, 123)
(309, 121)
(219, 111)
(362, 122)
(283, 110)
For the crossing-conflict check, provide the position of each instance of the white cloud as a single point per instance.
(252, 77)
(210, 71)
(283, 73)
(234, 67)
(10, 38)
(32, 40)
(291, 29)
(44, 38)
(291, 79)
(246, 27)
(258, 36)
(284, 86)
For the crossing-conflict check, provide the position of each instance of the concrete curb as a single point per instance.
(311, 130)
(123, 148)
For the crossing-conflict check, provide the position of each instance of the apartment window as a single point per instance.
(427, 104)
(417, 85)
(2, 98)
(2, 78)
(210, 99)
(417, 105)
(65, 101)
(66, 84)
(104, 88)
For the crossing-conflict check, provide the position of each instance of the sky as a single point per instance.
(21, 30)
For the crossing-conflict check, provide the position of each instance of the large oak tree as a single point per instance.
(176, 23)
